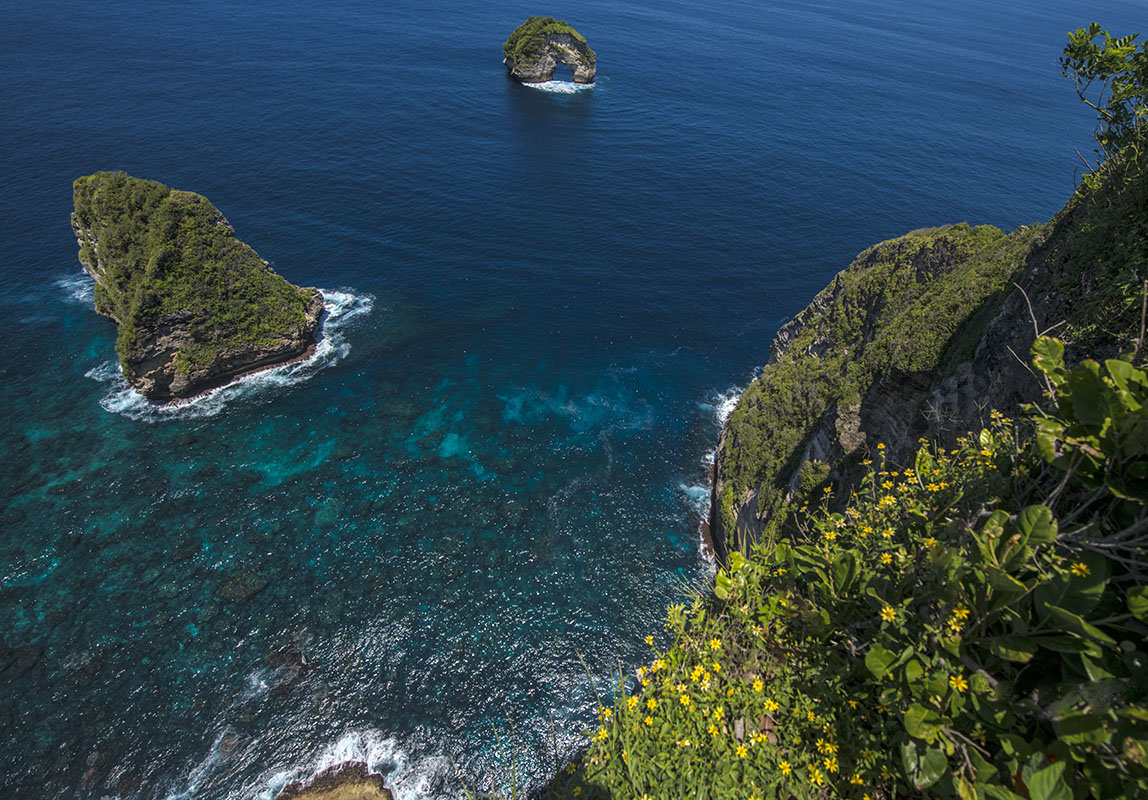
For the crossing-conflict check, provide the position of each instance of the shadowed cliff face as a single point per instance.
(921, 337)
(196, 307)
(558, 48)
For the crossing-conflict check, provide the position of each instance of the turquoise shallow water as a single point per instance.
(405, 550)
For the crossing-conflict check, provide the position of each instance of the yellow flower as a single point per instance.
(570, 768)
(881, 446)
(785, 768)
(650, 640)
(741, 751)
(602, 735)
(605, 713)
(659, 664)
(715, 644)
(830, 536)
(853, 704)
(641, 672)
(887, 613)
(771, 706)
(886, 559)
(830, 748)
(809, 715)
(887, 533)
(961, 613)
(577, 790)
(758, 685)
(1080, 569)
(959, 683)
(830, 764)
(719, 713)
(651, 704)
(815, 776)
(649, 720)
(632, 703)
(887, 485)
(685, 700)
(856, 779)
(930, 542)
(717, 667)
(713, 731)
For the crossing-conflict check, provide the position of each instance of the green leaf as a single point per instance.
(1080, 728)
(879, 661)
(844, 571)
(923, 769)
(1037, 524)
(722, 584)
(1076, 623)
(1138, 602)
(1048, 783)
(1013, 648)
(1048, 356)
(922, 723)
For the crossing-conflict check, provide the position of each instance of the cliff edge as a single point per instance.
(196, 307)
(537, 46)
(918, 338)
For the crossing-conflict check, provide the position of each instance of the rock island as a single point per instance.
(538, 45)
(196, 307)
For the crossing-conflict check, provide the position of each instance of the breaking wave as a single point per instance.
(560, 87)
(78, 288)
(342, 308)
(406, 778)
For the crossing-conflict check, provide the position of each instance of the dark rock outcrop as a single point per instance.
(196, 307)
(536, 47)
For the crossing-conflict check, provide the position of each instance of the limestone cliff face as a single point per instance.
(921, 337)
(540, 44)
(196, 308)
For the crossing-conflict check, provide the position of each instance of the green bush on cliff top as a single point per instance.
(528, 39)
(166, 253)
(973, 626)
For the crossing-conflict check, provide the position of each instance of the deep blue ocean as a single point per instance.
(427, 546)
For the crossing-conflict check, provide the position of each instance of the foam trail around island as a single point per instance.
(560, 87)
(342, 309)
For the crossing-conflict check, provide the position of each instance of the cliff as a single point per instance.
(196, 307)
(919, 337)
(538, 45)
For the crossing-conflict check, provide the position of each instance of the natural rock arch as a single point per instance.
(539, 45)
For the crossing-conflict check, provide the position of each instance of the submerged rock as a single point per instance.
(538, 45)
(196, 307)
(242, 587)
(349, 781)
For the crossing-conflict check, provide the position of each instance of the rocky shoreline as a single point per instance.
(196, 308)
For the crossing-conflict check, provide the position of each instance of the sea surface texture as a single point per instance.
(431, 545)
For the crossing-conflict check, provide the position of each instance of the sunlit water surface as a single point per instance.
(541, 301)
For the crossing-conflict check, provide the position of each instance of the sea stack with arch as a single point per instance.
(537, 46)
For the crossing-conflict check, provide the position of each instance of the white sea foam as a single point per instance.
(78, 288)
(406, 778)
(561, 87)
(342, 308)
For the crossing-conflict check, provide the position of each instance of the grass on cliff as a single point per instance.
(529, 39)
(974, 625)
(904, 306)
(168, 255)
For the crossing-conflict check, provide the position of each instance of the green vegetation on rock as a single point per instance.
(167, 260)
(528, 40)
(904, 306)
